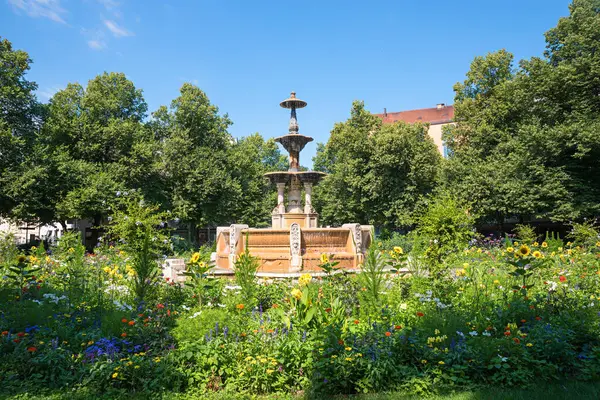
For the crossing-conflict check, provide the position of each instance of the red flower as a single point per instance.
(20, 334)
(516, 340)
(531, 307)
(38, 287)
(328, 309)
(356, 322)
(489, 328)
(160, 306)
(507, 333)
(398, 327)
(388, 334)
(141, 315)
(420, 314)
(167, 279)
(538, 318)
(168, 313)
(123, 334)
(124, 320)
(16, 340)
(131, 323)
(523, 321)
(32, 349)
(562, 278)
(4, 333)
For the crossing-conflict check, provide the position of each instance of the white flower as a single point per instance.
(403, 306)
(486, 333)
(473, 333)
(459, 333)
(195, 314)
(503, 359)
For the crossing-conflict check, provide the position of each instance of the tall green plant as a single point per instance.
(446, 226)
(372, 275)
(140, 228)
(245, 274)
(197, 273)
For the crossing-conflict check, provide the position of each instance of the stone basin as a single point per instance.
(293, 249)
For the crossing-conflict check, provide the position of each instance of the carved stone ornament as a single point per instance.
(295, 239)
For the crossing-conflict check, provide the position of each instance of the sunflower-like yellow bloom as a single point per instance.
(398, 250)
(195, 258)
(524, 250)
(537, 254)
(324, 259)
(296, 293)
(304, 280)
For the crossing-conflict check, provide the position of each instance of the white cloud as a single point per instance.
(48, 92)
(50, 9)
(109, 4)
(96, 44)
(116, 30)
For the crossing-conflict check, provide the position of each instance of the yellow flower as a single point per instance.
(524, 250)
(304, 280)
(510, 249)
(398, 250)
(115, 375)
(270, 371)
(348, 359)
(348, 348)
(466, 265)
(296, 293)
(324, 259)
(553, 254)
(441, 363)
(544, 244)
(423, 361)
(106, 269)
(537, 254)
(496, 282)
(516, 243)
(195, 258)
(597, 244)
(569, 251)
(529, 344)
(460, 272)
(535, 244)
(569, 243)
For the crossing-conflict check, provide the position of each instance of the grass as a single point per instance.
(566, 391)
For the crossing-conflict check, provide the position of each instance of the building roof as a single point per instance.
(436, 115)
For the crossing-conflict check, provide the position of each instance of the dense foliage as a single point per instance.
(497, 312)
(526, 142)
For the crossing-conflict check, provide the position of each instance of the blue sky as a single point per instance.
(248, 55)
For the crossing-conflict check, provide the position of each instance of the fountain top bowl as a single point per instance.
(293, 102)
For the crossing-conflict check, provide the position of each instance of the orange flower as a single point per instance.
(32, 349)
(398, 327)
(356, 322)
(420, 314)
(507, 333)
(240, 306)
(270, 331)
(242, 334)
(4, 333)
(131, 323)
(562, 278)
(328, 309)
(388, 334)
(523, 320)
(538, 318)
(275, 305)
(123, 334)
(160, 306)
(516, 340)
(341, 342)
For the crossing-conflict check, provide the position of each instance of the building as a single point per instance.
(437, 117)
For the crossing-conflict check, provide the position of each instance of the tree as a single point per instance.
(526, 142)
(20, 114)
(378, 173)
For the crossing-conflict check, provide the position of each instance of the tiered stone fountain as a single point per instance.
(294, 243)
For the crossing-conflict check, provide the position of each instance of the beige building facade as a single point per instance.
(437, 117)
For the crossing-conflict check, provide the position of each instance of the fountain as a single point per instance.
(294, 242)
